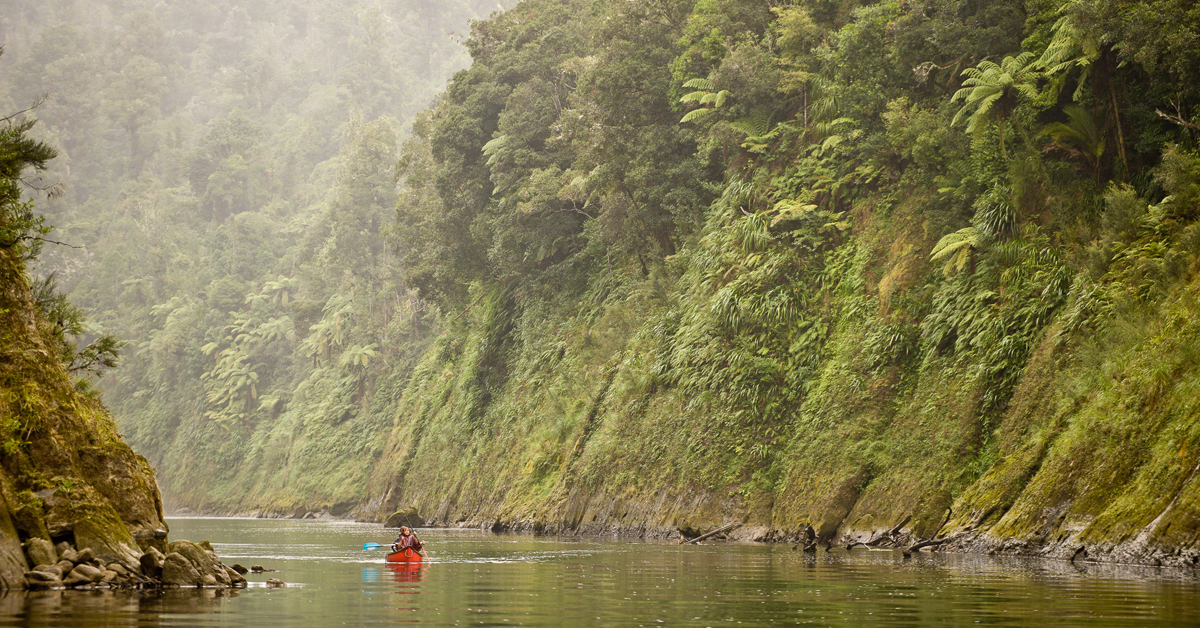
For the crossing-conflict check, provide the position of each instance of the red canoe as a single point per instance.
(406, 555)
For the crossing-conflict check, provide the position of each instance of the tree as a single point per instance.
(22, 229)
(19, 225)
(993, 92)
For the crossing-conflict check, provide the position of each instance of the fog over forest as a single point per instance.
(894, 271)
(210, 152)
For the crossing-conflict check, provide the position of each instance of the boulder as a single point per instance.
(50, 569)
(177, 570)
(235, 577)
(275, 583)
(85, 555)
(65, 566)
(119, 568)
(204, 561)
(42, 579)
(108, 575)
(40, 552)
(406, 517)
(100, 528)
(70, 554)
(239, 568)
(83, 574)
(152, 563)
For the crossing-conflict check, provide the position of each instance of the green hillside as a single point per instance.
(831, 269)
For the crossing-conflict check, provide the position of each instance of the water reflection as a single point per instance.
(396, 572)
(407, 572)
(115, 607)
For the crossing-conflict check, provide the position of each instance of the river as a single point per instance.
(481, 579)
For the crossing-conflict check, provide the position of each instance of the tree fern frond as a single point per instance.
(696, 114)
(956, 248)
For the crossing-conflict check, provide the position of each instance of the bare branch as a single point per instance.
(37, 103)
(1177, 120)
(58, 243)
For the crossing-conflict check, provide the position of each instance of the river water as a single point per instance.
(481, 579)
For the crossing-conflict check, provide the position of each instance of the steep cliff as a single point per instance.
(864, 324)
(65, 472)
(1097, 448)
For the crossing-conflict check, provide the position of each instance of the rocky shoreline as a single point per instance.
(975, 542)
(184, 564)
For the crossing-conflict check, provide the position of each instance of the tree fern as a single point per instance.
(706, 95)
(955, 249)
(1071, 47)
(993, 91)
(1079, 137)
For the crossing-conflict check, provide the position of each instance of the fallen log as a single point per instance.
(873, 549)
(916, 547)
(713, 533)
(889, 535)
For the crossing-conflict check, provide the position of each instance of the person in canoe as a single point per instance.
(408, 540)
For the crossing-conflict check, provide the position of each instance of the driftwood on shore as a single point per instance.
(713, 533)
(889, 536)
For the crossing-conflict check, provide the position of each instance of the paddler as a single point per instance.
(408, 540)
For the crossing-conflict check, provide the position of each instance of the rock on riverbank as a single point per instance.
(185, 564)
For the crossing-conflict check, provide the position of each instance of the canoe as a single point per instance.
(406, 555)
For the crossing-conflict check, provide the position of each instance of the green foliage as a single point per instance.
(19, 226)
(67, 325)
(704, 96)
(993, 91)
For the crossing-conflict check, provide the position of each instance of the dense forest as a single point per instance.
(226, 171)
(828, 268)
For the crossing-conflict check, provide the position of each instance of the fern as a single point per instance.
(995, 216)
(1071, 47)
(955, 249)
(705, 96)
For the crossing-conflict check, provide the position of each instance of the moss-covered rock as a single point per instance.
(404, 517)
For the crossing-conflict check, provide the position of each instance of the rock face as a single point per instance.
(12, 556)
